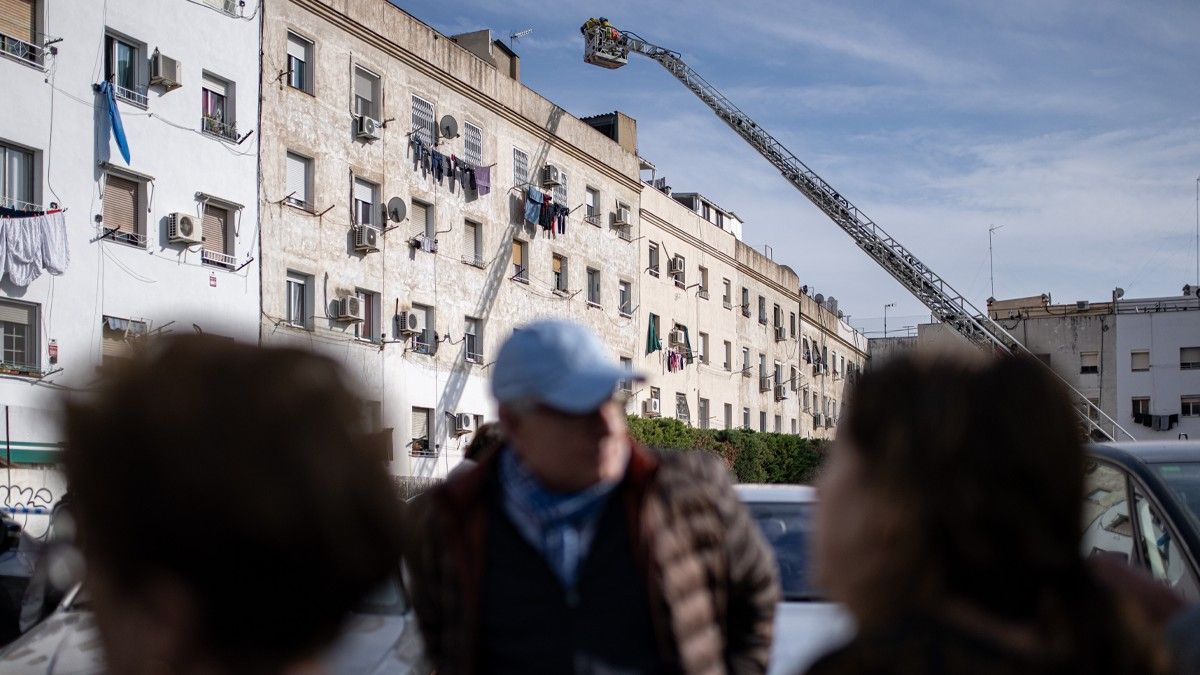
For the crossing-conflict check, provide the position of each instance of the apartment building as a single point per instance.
(110, 249)
(731, 338)
(379, 250)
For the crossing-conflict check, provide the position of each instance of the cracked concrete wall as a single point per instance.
(413, 59)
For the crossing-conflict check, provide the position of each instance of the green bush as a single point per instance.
(754, 457)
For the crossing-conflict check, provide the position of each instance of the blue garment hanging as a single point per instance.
(114, 120)
(533, 206)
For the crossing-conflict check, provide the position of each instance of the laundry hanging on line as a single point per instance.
(32, 241)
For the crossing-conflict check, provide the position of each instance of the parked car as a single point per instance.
(1142, 503)
(380, 637)
(806, 626)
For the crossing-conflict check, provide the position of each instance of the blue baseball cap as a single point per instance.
(560, 364)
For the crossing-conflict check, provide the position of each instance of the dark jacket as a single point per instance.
(711, 578)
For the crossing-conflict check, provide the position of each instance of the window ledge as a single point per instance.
(520, 280)
(131, 239)
(301, 90)
(299, 206)
(625, 315)
(562, 292)
(594, 305)
(31, 372)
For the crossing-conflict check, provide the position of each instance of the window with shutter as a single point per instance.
(473, 340)
(366, 94)
(473, 144)
(217, 249)
(1089, 362)
(299, 179)
(593, 277)
(17, 19)
(422, 120)
(297, 299)
(422, 216)
(421, 426)
(558, 266)
(626, 292)
(18, 328)
(1139, 361)
(472, 244)
(365, 198)
(299, 53)
(520, 269)
(121, 209)
(1189, 358)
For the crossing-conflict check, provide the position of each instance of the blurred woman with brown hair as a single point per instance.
(949, 525)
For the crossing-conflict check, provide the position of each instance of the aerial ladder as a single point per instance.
(608, 47)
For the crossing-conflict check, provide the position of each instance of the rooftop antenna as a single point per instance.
(991, 269)
(513, 37)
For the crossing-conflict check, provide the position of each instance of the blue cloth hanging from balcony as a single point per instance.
(114, 120)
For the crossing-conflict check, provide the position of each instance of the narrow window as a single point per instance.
(473, 340)
(218, 245)
(216, 108)
(19, 328)
(520, 167)
(593, 285)
(558, 265)
(420, 445)
(519, 256)
(122, 197)
(299, 181)
(1089, 362)
(297, 299)
(472, 243)
(626, 292)
(422, 120)
(473, 144)
(366, 197)
(299, 56)
(1139, 361)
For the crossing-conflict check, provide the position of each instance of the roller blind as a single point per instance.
(11, 312)
(518, 256)
(16, 19)
(419, 215)
(214, 85)
(120, 203)
(364, 191)
(420, 422)
(297, 177)
(297, 47)
(216, 222)
(1189, 357)
(1140, 360)
(364, 84)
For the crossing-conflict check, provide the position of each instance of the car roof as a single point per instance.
(1157, 452)
(759, 492)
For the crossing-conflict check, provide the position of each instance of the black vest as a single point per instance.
(530, 624)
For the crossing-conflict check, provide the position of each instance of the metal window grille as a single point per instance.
(520, 167)
(473, 144)
(422, 120)
(560, 190)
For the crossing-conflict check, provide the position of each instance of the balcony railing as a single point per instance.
(702, 293)
(25, 52)
(136, 95)
(473, 259)
(218, 259)
(19, 205)
(212, 125)
(623, 232)
(592, 219)
(419, 447)
(137, 239)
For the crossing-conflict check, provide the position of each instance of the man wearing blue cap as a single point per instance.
(575, 550)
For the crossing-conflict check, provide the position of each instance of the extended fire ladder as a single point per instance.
(609, 47)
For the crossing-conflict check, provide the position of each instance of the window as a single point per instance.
(702, 413)
(1141, 405)
(762, 310)
(422, 120)
(299, 181)
(825, 359)
(777, 316)
(778, 424)
(1089, 362)
(19, 328)
(703, 291)
(794, 380)
(422, 425)
(745, 301)
(652, 252)
(681, 409)
(368, 328)
(367, 97)
(473, 144)
(217, 110)
(18, 30)
(366, 197)
(655, 395)
(625, 290)
(593, 286)
(1189, 358)
(473, 340)
(591, 204)
(703, 348)
(706, 211)
(299, 299)
(16, 178)
(519, 256)
(762, 421)
(746, 359)
(558, 266)
(728, 415)
(762, 365)
(626, 385)
(218, 244)
(727, 294)
(1139, 361)
(520, 167)
(472, 243)
(560, 190)
(792, 325)
(678, 271)
(299, 56)
(122, 211)
(835, 363)
(807, 352)
(777, 374)
(745, 418)
(793, 426)
(125, 67)
(728, 355)
(425, 341)
(1189, 406)
(422, 215)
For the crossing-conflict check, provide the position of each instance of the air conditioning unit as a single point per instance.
(407, 323)
(780, 392)
(366, 238)
(184, 228)
(366, 128)
(464, 423)
(164, 71)
(677, 337)
(780, 333)
(1082, 305)
(677, 265)
(350, 308)
(764, 384)
(651, 407)
(621, 218)
(551, 176)
(818, 420)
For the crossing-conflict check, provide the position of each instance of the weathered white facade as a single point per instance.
(1158, 366)
(370, 58)
(187, 77)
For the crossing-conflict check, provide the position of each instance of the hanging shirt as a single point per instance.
(533, 206)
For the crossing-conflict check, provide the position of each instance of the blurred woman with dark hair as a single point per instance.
(949, 525)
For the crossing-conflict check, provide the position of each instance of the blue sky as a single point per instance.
(1075, 125)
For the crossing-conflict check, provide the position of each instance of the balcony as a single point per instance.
(702, 293)
(592, 218)
(136, 95)
(216, 127)
(217, 259)
(18, 205)
(24, 52)
(473, 259)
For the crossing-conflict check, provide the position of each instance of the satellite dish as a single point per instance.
(1119, 292)
(396, 210)
(448, 127)
(820, 299)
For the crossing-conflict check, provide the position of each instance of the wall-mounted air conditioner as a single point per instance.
(366, 128)
(350, 308)
(184, 228)
(366, 238)
(651, 407)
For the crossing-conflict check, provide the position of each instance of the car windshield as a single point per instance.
(1184, 480)
(786, 526)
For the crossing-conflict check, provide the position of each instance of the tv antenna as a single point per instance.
(513, 37)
